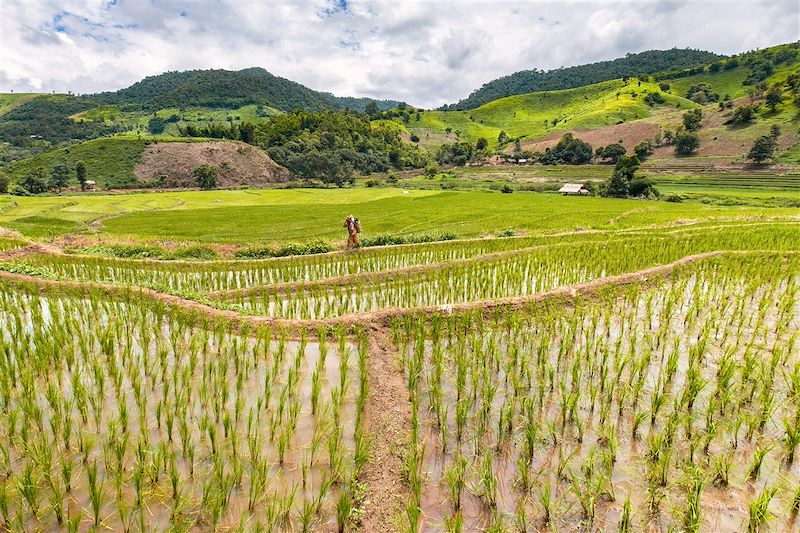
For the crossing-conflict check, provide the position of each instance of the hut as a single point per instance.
(574, 189)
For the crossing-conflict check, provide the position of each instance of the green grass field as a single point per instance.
(531, 115)
(136, 121)
(277, 216)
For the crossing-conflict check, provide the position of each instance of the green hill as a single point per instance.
(228, 89)
(216, 93)
(602, 106)
(109, 161)
(527, 81)
(533, 115)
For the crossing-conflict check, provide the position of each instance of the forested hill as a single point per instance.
(228, 89)
(527, 81)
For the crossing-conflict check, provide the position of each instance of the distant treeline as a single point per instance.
(527, 81)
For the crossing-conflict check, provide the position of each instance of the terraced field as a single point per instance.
(622, 380)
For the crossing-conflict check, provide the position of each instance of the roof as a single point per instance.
(571, 187)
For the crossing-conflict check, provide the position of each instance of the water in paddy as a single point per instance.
(147, 398)
(552, 371)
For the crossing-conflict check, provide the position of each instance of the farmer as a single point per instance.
(353, 229)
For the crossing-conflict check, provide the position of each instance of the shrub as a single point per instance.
(692, 119)
(195, 252)
(643, 149)
(744, 114)
(414, 138)
(19, 190)
(506, 233)
(674, 198)
(641, 187)
(205, 176)
(507, 189)
(686, 142)
(370, 183)
(257, 252)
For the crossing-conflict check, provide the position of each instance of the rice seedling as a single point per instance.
(759, 509)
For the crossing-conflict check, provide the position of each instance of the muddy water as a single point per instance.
(654, 322)
(209, 374)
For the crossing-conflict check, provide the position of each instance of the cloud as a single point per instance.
(427, 53)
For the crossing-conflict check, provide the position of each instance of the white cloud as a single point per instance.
(426, 53)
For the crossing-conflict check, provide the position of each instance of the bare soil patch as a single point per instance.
(237, 164)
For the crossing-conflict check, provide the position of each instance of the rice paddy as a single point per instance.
(636, 380)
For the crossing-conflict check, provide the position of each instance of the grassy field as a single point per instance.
(197, 116)
(9, 101)
(270, 216)
(531, 115)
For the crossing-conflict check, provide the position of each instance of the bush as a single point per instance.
(293, 248)
(507, 189)
(258, 252)
(370, 183)
(388, 239)
(506, 233)
(205, 176)
(4, 181)
(195, 252)
(414, 138)
(686, 142)
(674, 198)
(19, 190)
(640, 187)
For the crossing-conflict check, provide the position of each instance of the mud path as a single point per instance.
(388, 416)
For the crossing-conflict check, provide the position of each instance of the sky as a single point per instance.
(424, 53)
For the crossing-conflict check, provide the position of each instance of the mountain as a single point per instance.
(528, 81)
(228, 89)
(58, 118)
(632, 110)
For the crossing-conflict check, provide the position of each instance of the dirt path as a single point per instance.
(388, 415)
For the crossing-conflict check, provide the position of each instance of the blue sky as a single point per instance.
(426, 53)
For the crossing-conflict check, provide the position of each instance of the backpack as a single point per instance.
(357, 225)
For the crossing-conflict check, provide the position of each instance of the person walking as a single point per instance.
(353, 229)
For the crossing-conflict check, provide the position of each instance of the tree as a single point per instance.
(628, 165)
(156, 125)
(59, 176)
(481, 143)
(617, 185)
(611, 152)
(763, 149)
(80, 174)
(774, 97)
(643, 149)
(743, 114)
(414, 138)
(641, 187)
(205, 176)
(775, 131)
(692, 119)
(4, 182)
(502, 138)
(664, 86)
(686, 142)
(34, 182)
(568, 150)
(372, 108)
